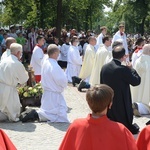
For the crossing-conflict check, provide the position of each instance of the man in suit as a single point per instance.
(119, 78)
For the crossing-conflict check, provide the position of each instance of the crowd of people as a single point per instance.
(115, 70)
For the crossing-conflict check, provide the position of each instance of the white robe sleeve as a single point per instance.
(59, 77)
(21, 73)
(63, 50)
(76, 58)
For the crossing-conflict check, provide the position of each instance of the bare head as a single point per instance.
(122, 28)
(117, 43)
(16, 49)
(118, 52)
(107, 41)
(99, 98)
(140, 42)
(53, 51)
(92, 40)
(103, 30)
(146, 49)
(74, 40)
(9, 41)
(40, 40)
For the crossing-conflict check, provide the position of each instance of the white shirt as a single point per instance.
(36, 60)
(74, 62)
(74, 55)
(64, 52)
(99, 41)
(123, 38)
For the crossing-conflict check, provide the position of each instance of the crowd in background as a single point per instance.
(27, 38)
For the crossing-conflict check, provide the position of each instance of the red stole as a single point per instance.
(39, 46)
(136, 51)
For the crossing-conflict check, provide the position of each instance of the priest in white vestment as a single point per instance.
(137, 50)
(100, 59)
(54, 81)
(9, 41)
(74, 60)
(141, 93)
(88, 60)
(12, 72)
(120, 35)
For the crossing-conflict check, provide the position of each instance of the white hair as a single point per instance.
(15, 48)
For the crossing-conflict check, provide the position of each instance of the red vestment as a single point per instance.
(143, 140)
(97, 134)
(5, 143)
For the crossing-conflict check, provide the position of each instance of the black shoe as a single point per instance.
(81, 85)
(75, 80)
(135, 110)
(148, 123)
(29, 116)
(134, 129)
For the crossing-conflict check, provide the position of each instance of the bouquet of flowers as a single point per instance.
(26, 91)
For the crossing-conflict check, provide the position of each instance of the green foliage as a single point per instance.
(135, 13)
(80, 14)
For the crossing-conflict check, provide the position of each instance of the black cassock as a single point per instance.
(119, 78)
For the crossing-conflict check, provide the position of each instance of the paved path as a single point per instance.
(48, 136)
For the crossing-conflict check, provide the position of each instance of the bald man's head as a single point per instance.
(118, 52)
(146, 49)
(53, 51)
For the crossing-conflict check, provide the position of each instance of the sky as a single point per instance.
(107, 8)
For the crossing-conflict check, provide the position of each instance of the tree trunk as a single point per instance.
(58, 20)
(90, 18)
(42, 13)
(86, 20)
(142, 26)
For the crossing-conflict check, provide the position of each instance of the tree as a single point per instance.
(79, 14)
(135, 13)
(59, 12)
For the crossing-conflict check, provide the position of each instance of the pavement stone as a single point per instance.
(48, 136)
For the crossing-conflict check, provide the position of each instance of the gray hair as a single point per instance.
(15, 48)
(146, 49)
(52, 48)
(91, 38)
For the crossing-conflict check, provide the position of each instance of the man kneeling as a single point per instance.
(53, 79)
(97, 131)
